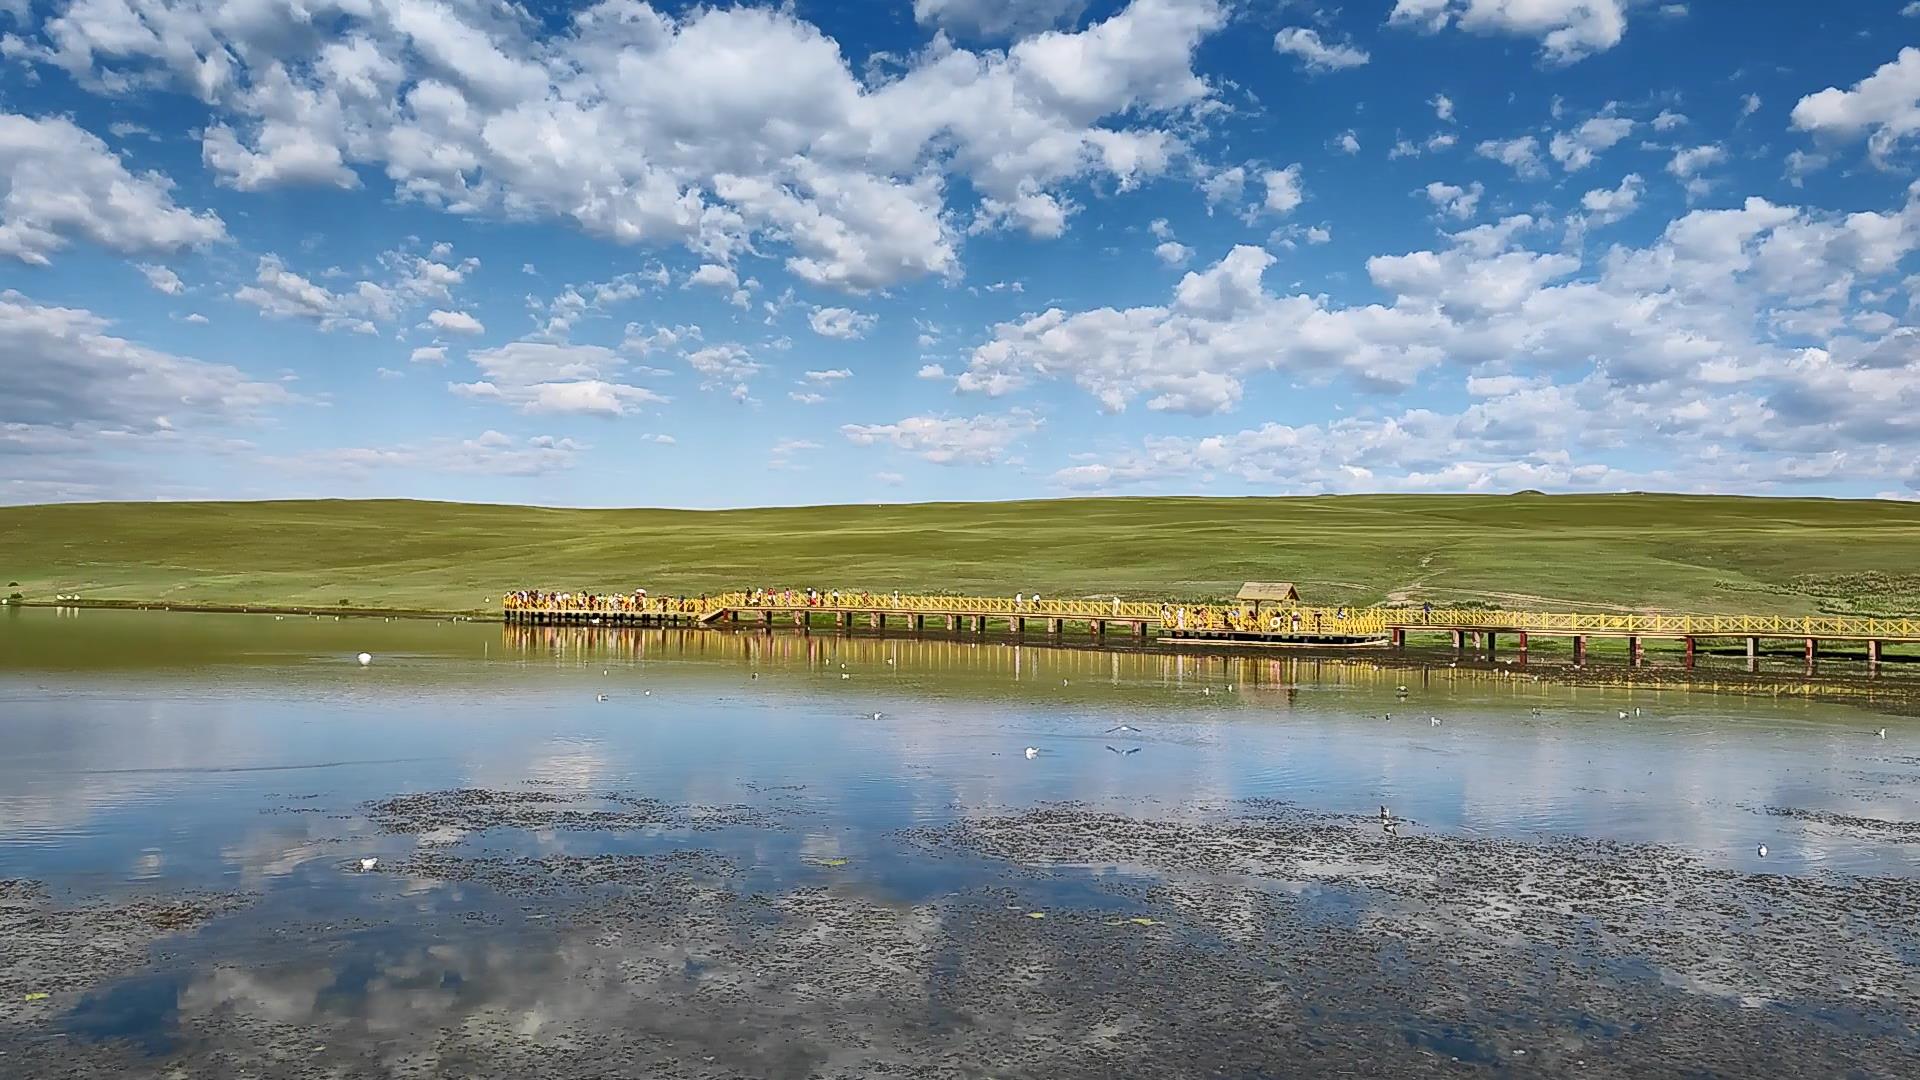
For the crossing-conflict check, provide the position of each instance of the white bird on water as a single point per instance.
(1623, 716)
(1033, 751)
(1434, 720)
(844, 675)
(599, 697)
(368, 864)
(1121, 727)
(1763, 851)
(1883, 733)
(365, 659)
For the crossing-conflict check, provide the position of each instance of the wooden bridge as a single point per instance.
(1240, 624)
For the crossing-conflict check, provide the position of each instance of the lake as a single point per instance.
(699, 853)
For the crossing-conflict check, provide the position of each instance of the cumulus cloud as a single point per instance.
(1568, 30)
(409, 281)
(1173, 253)
(429, 354)
(1521, 154)
(1884, 106)
(974, 440)
(1604, 206)
(454, 322)
(618, 119)
(549, 377)
(162, 279)
(1453, 200)
(1284, 193)
(59, 181)
(844, 324)
(1579, 148)
(1728, 335)
(1304, 44)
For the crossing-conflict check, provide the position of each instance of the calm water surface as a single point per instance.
(205, 750)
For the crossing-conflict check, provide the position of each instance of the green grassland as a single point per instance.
(1606, 552)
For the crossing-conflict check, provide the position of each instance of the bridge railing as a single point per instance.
(1283, 619)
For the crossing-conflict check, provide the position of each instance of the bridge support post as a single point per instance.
(1813, 649)
(919, 623)
(1635, 651)
(1691, 649)
(1753, 649)
(953, 623)
(1100, 629)
(1579, 648)
(1140, 630)
(1523, 642)
(801, 620)
(1399, 637)
(843, 620)
(876, 620)
(1459, 640)
(1493, 645)
(979, 624)
(1873, 652)
(1054, 626)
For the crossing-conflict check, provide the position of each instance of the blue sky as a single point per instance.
(621, 254)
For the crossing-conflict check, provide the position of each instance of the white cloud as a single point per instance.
(1688, 162)
(1568, 30)
(996, 19)
(805, 398)
(59, 181)
(1314, 54)
(1173, 253)
(724, 363)
(1521, 154)
(429, 354)
(1802, 164)
(832, 375)
(976, 440)
(454, 322)
(1577, 149)
(619, 120)
(1605, 206)
(1668, 120)
(1348, 142)
(1283, 189)
(63, 369)
(1442, 106)
(931, 371)
(1698, 340)
(1453, 200)
(196, 319)
(162, 279)
(714, 276)
(1749, 104)
(488, 454)
(1885, 106)
(410, 281)
(547, 377)
(1224, 186)
(841, 323)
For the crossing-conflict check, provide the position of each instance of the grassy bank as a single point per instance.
(1618, 552)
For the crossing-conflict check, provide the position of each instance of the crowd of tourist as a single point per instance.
(1286, 619)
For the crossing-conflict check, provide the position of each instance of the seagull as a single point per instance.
(368, 864)
(1207, 690)
(889, 659)
(1063, 682)
(755, 675)
(1536, 712)
(600, 697)
(1434, 720)
(1391, 828)
(1636, 710)
(1399, 689)
(1124, 753)
(1121, 727)
(365, 659)
(605, 671)
(875, 716)
(1623, 716)
(1384, 812)
(1033, 751)
(1389, 716)
(1763, 851)
(1883, 733)
(844, 675)
(646, 693)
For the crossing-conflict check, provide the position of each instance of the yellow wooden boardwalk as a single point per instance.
(1222, 623)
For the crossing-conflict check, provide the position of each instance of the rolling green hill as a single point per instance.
(1608, 552)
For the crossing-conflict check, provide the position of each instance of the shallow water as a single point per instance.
(150, 754)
